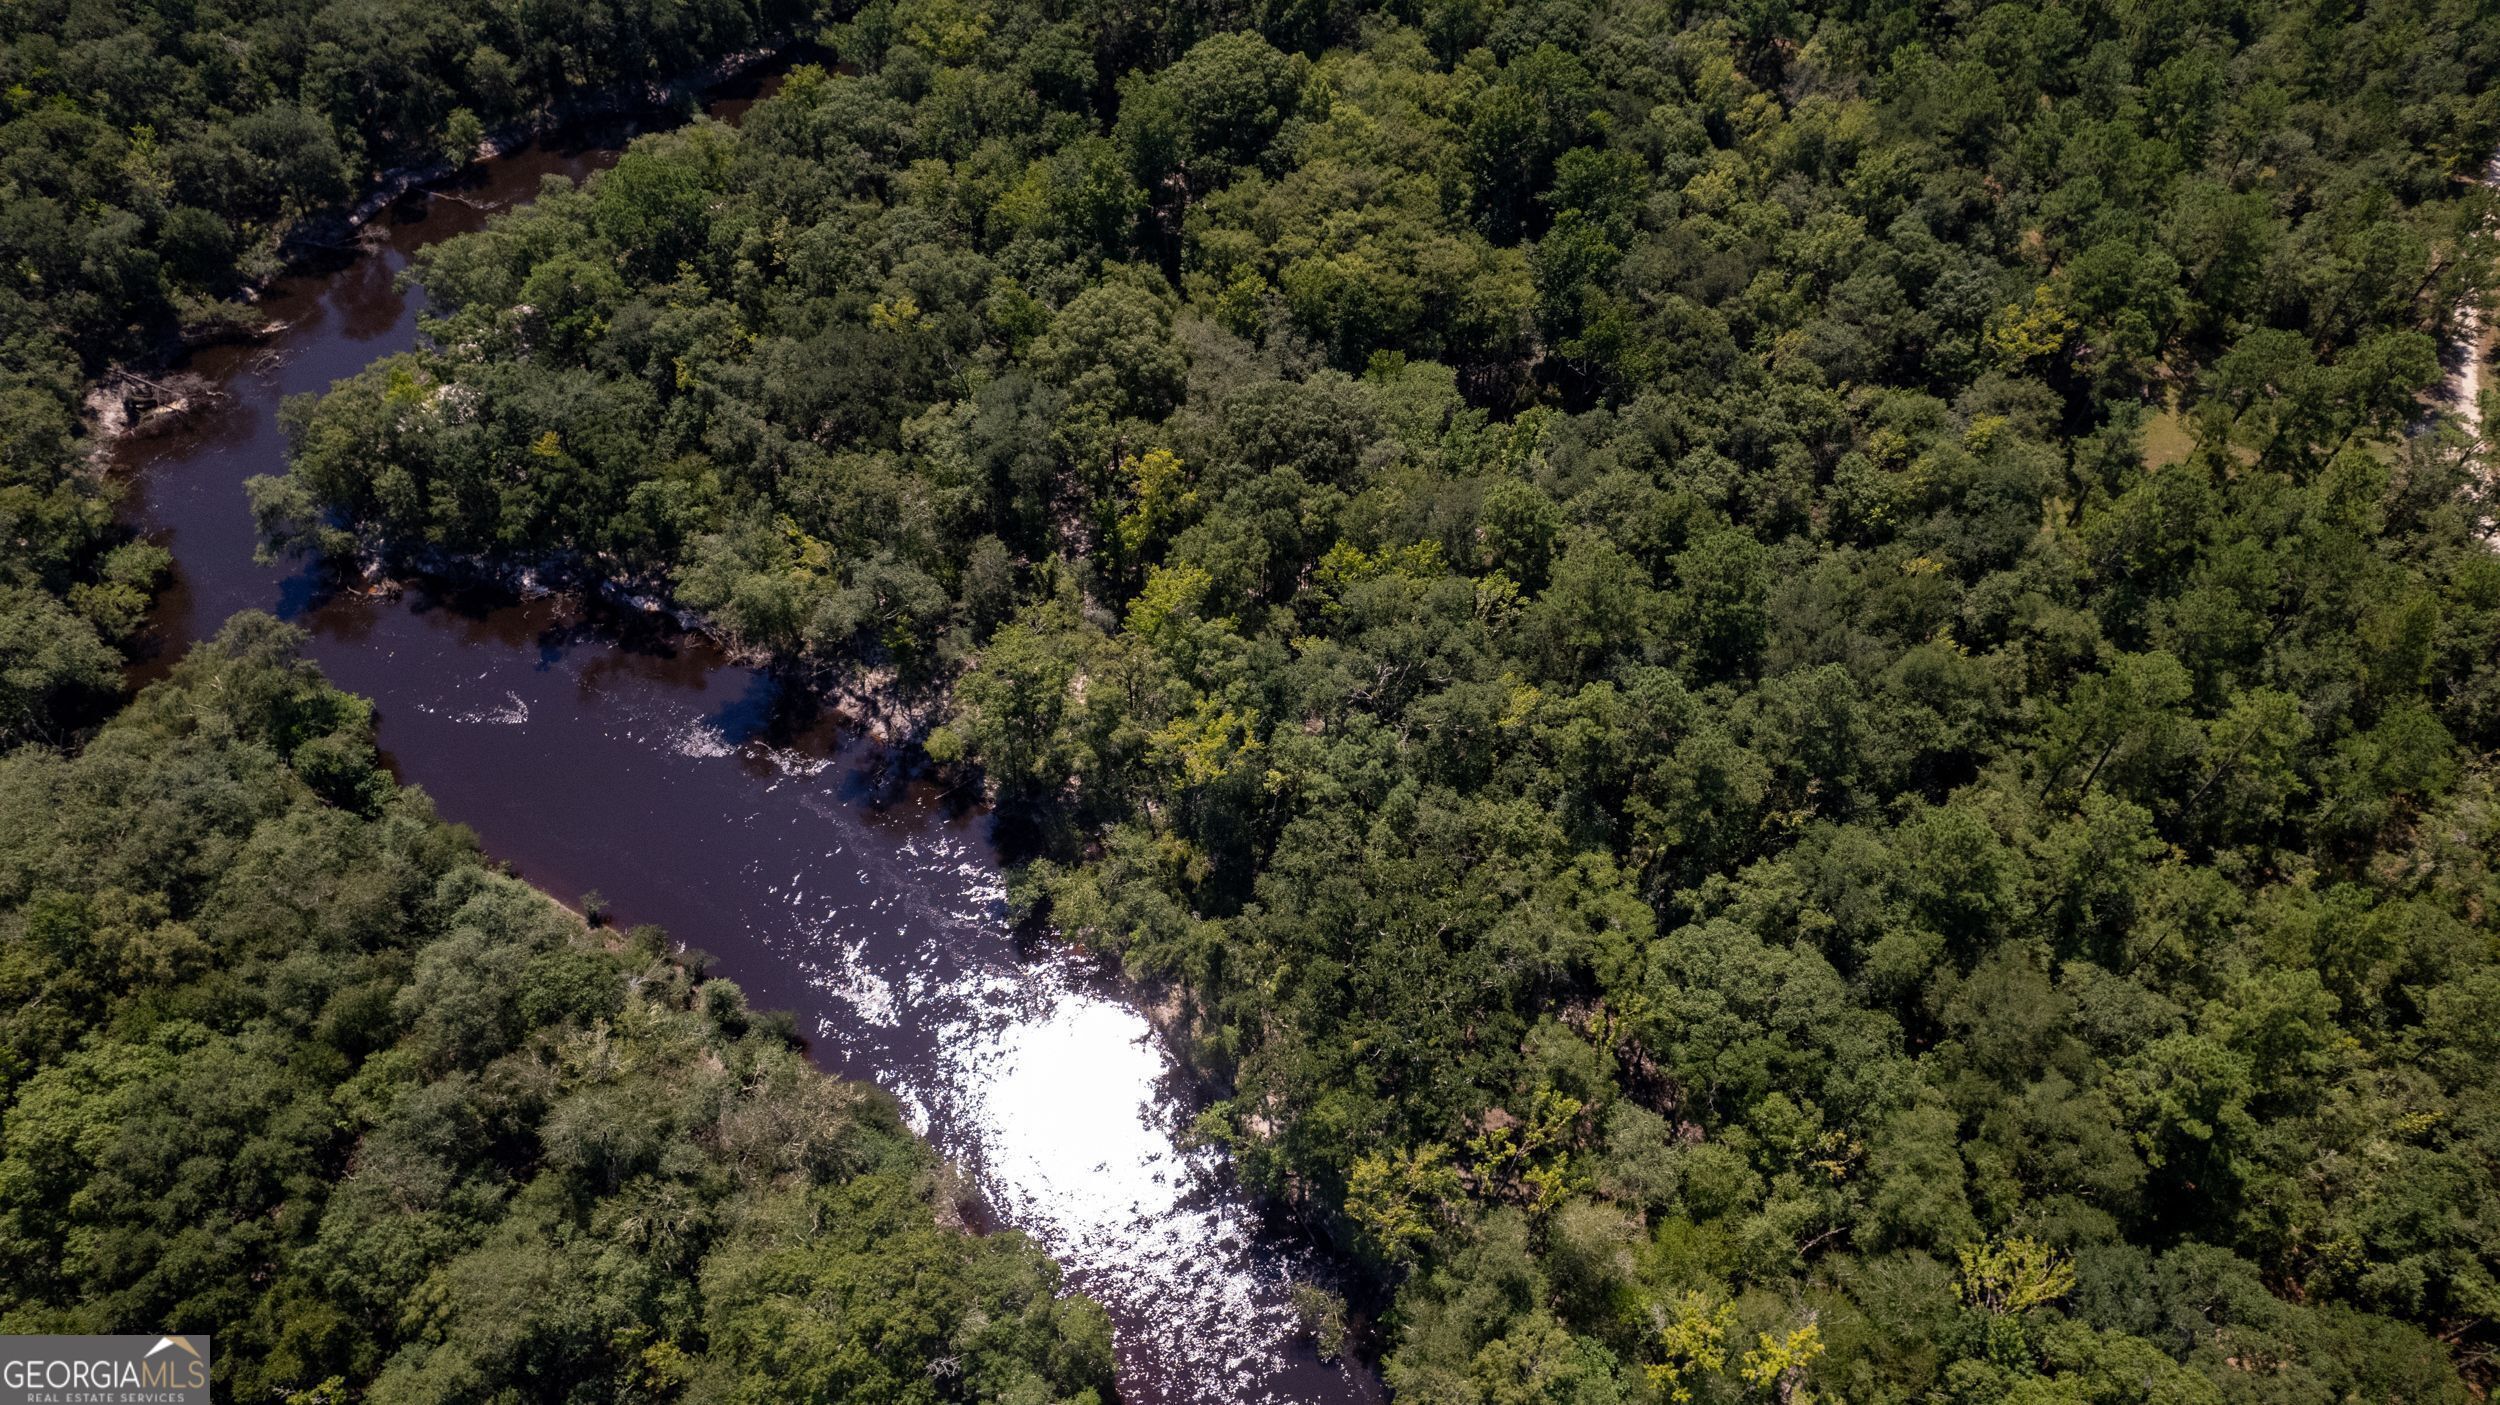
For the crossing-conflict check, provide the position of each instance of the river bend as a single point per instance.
(597, 752)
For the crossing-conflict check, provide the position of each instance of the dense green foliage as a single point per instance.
(1778, 678)
(154, 157)
(152, 154)
(282, 1060)
(72, 586)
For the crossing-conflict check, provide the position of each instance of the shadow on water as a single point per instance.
(595, 747)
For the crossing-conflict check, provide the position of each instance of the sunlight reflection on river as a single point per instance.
(1028, 1069)
(1058, 1099)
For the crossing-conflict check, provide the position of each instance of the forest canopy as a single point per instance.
(153, 156)
(285, 1061)
(1802, 693)
(157, 160)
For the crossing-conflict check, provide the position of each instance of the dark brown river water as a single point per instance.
(594, 751)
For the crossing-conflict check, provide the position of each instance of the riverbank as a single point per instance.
(871, 695)
(143, 398)
(626, 100)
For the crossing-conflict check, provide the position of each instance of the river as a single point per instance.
(596, 751)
